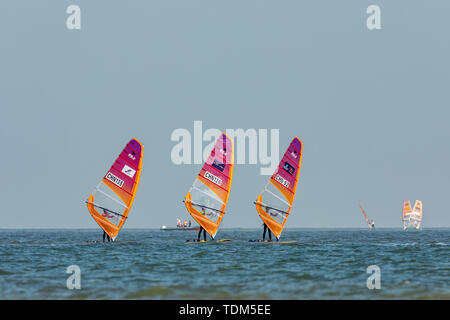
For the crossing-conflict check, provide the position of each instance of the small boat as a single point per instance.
(177, 228)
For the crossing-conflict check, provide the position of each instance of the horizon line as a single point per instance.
(224, 228)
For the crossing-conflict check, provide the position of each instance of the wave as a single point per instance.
(5, 273)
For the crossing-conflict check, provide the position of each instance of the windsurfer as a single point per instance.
(274, 214)
(105, 235)
(201, 228)
(264, 233)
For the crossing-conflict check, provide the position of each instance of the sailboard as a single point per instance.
(274, 242)
(274, 203)
(370, 223)
(110, 202)
(412, 217)
(207, 199)
(208, 241)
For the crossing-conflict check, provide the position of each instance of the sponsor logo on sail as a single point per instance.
(132, 155)
(218, 165)
(128, 171)
(213, 178)
(118, 182)
(288, 168)
(281, 180)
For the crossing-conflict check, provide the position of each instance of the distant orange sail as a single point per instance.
(274, 203)
(371, 224)
(110, 202)
(364, 214)
(207, 199)
(406, 209)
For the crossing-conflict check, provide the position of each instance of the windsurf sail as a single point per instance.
(110, 202)
(207, 199)
(274, 203)
(406, 209)
(371, 224)
(418, 209)
(406, 212)
(364, 214)
(416, 214)
(412, 217)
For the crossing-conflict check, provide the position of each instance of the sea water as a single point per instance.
(153, 264)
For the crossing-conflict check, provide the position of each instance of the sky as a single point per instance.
(372, 107)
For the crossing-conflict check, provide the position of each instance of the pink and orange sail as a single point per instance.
(207, 199)
(274, 203)
(110, 202)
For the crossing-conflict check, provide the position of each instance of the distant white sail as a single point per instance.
(412, 218)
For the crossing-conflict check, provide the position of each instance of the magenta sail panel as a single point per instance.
(123, 172)
(287, 171)
(220, 160)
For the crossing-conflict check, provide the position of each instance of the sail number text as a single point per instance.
(213, 178)
(281, 180)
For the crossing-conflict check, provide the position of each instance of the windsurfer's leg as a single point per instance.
(204, 234)
(264, 232)
(199, 233)
(104, 236)
(270, 235)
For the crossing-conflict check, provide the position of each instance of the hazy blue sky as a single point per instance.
(372, 107)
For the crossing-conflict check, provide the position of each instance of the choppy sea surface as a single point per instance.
(153, 264)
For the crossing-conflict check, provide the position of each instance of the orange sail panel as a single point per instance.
(110, 202)
(274, 203)
(207, 199)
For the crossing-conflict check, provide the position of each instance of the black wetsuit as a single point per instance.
(200, 234)
(106, 235)
(264, 233)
